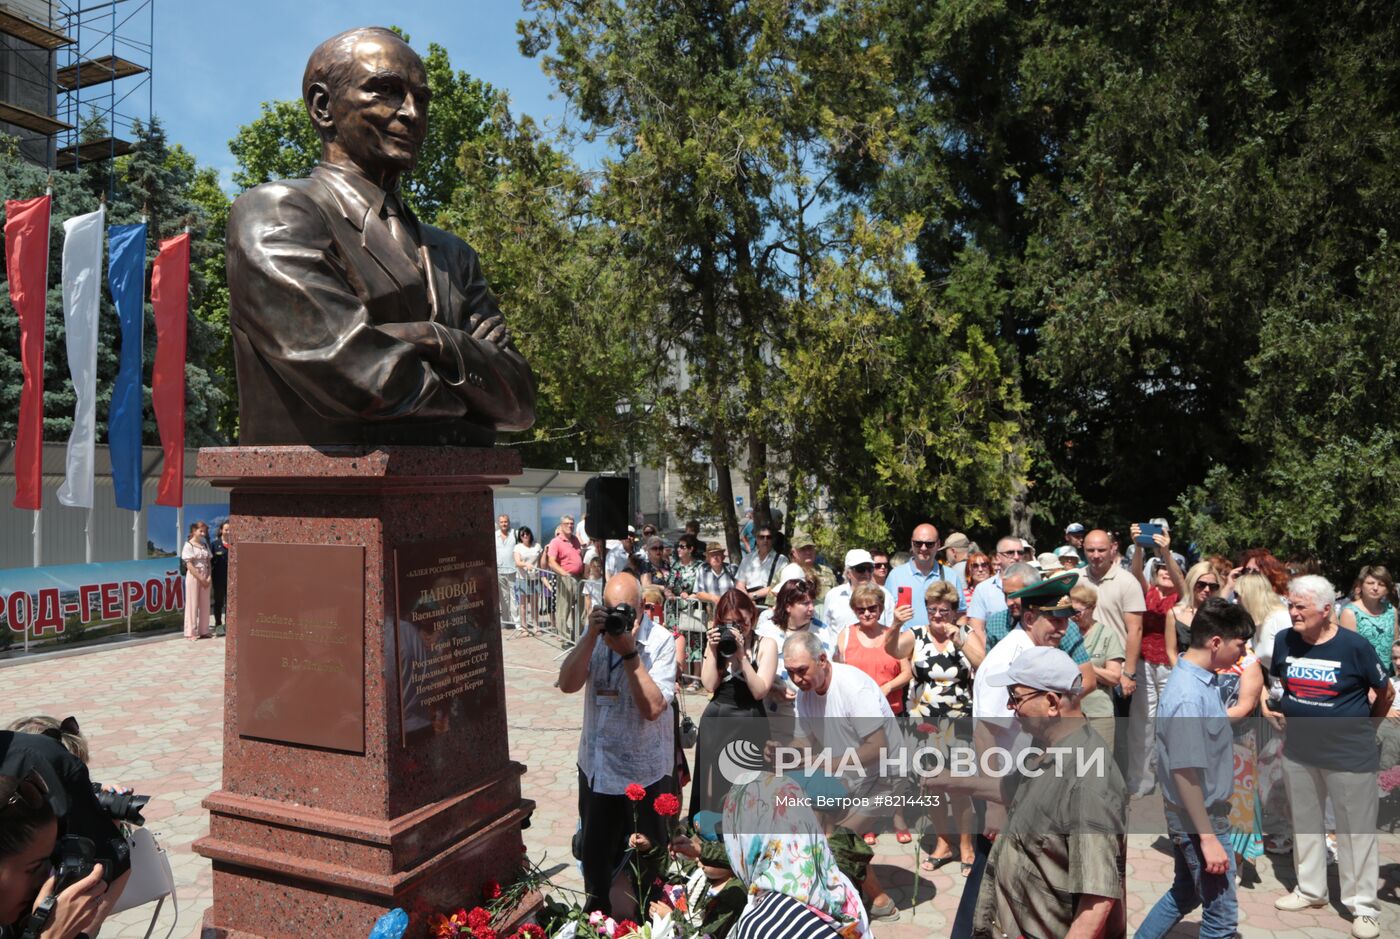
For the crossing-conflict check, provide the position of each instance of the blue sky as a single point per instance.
(216, 62)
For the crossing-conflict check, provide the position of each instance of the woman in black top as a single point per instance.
(218, 548)
(738, 684)
(28, 833)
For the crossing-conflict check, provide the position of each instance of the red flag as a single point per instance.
(170, 297)
(27, 264)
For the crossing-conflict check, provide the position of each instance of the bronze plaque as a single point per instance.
(445, 594)
(301, 644)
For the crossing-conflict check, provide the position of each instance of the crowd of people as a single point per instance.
(204, 565)
(1248, 695)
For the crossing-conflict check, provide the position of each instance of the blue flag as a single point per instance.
(126, 274)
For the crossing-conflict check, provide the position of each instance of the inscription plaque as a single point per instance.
(445, 593)
(300, 644)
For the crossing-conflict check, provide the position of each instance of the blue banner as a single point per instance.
(126, 274)
(49, 600)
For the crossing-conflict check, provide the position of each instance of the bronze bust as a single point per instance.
(353, 322)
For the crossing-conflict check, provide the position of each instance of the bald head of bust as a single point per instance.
(366, 93)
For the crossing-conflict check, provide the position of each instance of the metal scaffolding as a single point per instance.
(70, 69)
(103, 75)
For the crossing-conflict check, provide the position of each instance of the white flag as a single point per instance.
(82, 295)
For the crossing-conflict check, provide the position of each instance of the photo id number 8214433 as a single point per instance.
(926, 800)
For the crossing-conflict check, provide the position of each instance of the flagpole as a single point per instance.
(38, 532)
(136, 513)
(87, 525)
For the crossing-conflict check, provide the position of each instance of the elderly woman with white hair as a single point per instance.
(1328, 676)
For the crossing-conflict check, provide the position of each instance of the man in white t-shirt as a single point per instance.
(1043, 611)
(505, 567)
(838, 705)
(841, 709)
(860, 569)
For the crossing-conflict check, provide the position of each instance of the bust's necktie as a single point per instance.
(396, 216)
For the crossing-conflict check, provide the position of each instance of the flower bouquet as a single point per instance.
(1388, 818)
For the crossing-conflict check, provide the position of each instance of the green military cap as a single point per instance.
(1049, 596)
(714, 854)
(850, 852)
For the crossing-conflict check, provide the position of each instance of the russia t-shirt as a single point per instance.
(1324, 699)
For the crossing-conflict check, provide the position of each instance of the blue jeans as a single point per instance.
(1193, 887)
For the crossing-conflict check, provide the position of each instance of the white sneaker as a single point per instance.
(1280, 845)
(1365, 927)
(1331, 850)
(1295, 902)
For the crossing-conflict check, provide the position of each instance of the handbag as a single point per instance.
(151, 878)
(690, 734)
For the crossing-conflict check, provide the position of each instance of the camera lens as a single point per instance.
(728, 642)
(124, 806)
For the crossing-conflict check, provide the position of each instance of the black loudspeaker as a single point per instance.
(605, 500)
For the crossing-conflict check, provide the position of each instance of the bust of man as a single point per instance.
(353, 322)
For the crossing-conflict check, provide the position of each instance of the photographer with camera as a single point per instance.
(626, 750)
(64, 904)
(738, 669)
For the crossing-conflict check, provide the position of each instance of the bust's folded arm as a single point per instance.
(299, 311)
(494, 379)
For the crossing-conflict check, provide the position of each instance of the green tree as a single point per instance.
(279, 144)
(567, 291)
(726, 140)
(1216, 281)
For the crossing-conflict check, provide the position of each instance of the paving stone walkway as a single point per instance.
(154, 714)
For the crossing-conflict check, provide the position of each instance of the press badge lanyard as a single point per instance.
(607, 695)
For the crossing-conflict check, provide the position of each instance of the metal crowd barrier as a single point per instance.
(544, 601)
(690, 618)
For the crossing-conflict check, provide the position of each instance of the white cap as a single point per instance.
(858, 556)
(791, 572)
(1066, 551)
(1044, 668)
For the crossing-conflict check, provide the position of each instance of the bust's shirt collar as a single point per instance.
(359, 197)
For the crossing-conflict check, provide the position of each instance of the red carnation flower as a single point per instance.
(530, 931)
(635, 792)
(667, 804)
(626, 928)
(491, 890)
(485, 932)
(479, 919)
(926, 728)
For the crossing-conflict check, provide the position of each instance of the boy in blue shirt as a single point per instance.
(1195, 771)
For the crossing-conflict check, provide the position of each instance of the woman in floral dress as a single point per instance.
(938, 708)
(1240, 688)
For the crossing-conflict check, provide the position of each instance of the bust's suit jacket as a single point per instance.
(313, 271)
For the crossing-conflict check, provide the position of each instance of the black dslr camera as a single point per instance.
(728, 640)
(619, 619)
(73, 859)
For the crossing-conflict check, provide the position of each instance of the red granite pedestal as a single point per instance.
(366, 764)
